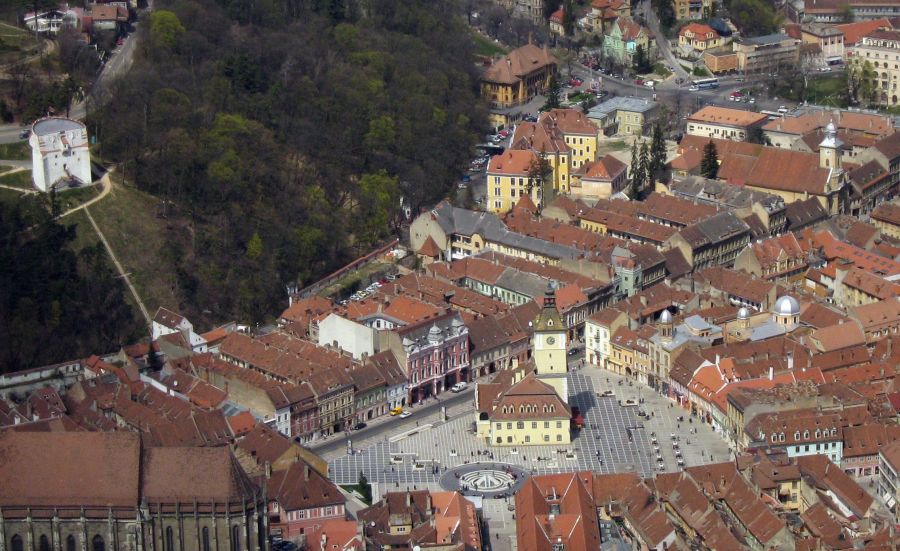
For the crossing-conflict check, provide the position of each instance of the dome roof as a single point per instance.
(665, 317)
(787, 306)
(830, 129)
(743, 313)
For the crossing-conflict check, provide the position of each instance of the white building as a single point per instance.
(348, 335)
(59, 153)
(166, 322)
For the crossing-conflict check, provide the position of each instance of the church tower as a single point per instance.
(830, 149)
(549, 343)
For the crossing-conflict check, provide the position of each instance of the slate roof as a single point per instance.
(714, 229)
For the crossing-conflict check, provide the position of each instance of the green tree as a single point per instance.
(166, 28)
(757, 136)
(641, 60)
(255, 247)
(644, 162)
(657, 153)
(754, 17)
(709, 166)
(364, 488)
(861, 82)
(665, 12)
(635, 172)
(569, 17)
(378, 201)
(540, 176)
(553, 94)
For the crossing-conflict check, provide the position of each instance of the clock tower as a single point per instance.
(549, 343)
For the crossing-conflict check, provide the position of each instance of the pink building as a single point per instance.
(300, 501)
(435, 355)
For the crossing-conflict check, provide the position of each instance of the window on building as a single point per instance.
(559, 424)
(559, 438)
(534, 424)
(204, 540)
(527, 438)
(16, 543)
(509, 426)
(499, 426)
(97, 544)
(546, 424)
(44, 543)
(509, 439)
(70, 543)
(170, 539)
(520, 425)
(235, 538)
(546, 438)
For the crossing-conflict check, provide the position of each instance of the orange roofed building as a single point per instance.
(404, 520)
(517, 77)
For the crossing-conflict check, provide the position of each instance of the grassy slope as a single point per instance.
(127, 219)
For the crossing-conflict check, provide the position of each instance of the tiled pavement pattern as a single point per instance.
(409, 462)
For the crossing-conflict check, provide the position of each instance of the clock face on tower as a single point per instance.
(551, 341)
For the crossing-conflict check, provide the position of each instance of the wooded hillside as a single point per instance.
(281, 135)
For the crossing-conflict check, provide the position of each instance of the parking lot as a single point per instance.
(615, 439)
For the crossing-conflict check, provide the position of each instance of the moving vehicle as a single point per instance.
(649, 84)
(459, 387)
(705, 83)
(405, 414)
(397, 411)
(782, 109)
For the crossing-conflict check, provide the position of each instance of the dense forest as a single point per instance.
(55, 303)
(284, 133)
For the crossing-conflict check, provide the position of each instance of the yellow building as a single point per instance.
(698, 37)
(692, 9)
(565, 138)
(508, 179)
(517, 77)
(886, 217)
(520, 408)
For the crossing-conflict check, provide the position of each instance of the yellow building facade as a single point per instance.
(518, 77)
(519, 409)
(508, 179)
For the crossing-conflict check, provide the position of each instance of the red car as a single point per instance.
(639, 81)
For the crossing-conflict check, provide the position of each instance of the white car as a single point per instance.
(458, 387)
(405, 414)
(649, 84)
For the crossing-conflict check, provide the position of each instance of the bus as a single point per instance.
(704, 83)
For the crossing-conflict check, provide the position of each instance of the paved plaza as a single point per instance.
(615, 439)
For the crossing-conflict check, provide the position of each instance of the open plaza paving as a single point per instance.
(614, 439)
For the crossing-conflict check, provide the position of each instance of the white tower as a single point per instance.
(549, 343)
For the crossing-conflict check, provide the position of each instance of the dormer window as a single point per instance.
(805, 434)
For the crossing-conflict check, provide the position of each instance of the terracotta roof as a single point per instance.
(605, 168)
(518, 64)
(553, 509)
(829, 476)
(242, 423)
(866, 440)
(168, 318)
(620, 224)
(631, 30)
(530, 391)
(861, 234)
(725, 116)
(887, 212)
(866, 123)
(543, 138)
(301, 310)
(429, 248)
(515, 162)
(526, 204)
(831, 248)
(871, 284)
(889, 146)
(674, 210)
(878, 314)
(838, 337)
(569, 121)
(301, 487)
(854, 31)
(192, 474)
(699, 30)
(769, 251)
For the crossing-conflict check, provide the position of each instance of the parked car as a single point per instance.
(504, 133)
(649, 84)
(25, 133)
(639, 81)
(459, 387)
(359, 426)
(405, 414)
(397, 411)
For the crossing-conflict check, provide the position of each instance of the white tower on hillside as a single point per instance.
(59, 153)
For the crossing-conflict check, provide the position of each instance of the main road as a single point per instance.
(383, 427)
